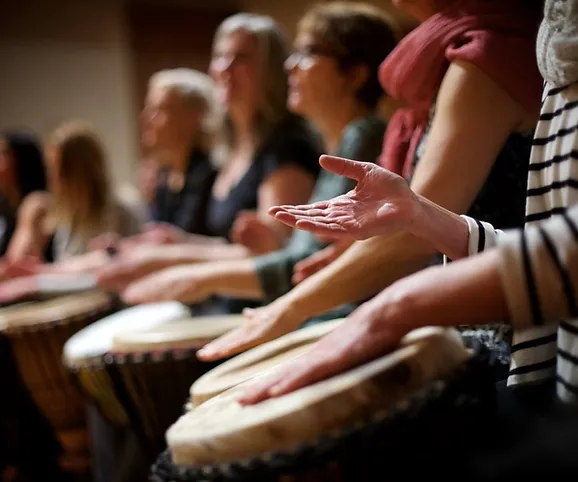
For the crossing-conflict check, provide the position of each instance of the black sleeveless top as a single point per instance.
(7, 224)
(291, 142)
(186, 208)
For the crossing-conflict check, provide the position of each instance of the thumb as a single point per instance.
(345, 167)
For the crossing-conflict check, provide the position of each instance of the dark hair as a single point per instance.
(355, 34)
(28, 161)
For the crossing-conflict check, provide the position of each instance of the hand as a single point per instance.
(18, 289)
(163, 233)
(255, 233)
(262, 325)
(380, 203)
(103, 241)
(187, 284)
(131, 265)
(316, 262)
(368, 333)
(21, 267)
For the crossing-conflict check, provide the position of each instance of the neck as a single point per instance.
(243, 128)
(331, 127)
(177, 158)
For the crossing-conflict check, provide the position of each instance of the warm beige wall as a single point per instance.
(65, 59)
(289, 12)
(62, 59)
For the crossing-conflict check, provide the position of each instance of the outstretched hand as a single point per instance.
(381, 203)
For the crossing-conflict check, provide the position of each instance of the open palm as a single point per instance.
(380, 203)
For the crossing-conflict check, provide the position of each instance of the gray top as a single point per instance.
(362, 141)
(121, 220)
(557, 45)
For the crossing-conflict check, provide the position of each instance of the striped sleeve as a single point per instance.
(539, 270)
(482, 235)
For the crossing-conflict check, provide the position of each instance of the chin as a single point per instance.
(294, 104)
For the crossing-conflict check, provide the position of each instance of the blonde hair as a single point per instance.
(82, 194)
(196, 91)
(273, 50)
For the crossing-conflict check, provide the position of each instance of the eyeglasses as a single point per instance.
(308, 54)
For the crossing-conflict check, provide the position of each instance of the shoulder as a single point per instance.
(35, 205)
(294, 142)
(363, 139)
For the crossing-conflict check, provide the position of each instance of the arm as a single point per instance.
(473, 119)
(31, 235)
(530, 279)
(289, 184)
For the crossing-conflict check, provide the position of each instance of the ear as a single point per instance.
(357, 76)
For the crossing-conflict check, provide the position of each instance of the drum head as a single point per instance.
(62, 308)
(221, 430)
(258, 360)
(185, 333)
(95, 340)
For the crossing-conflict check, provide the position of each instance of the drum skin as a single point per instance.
(365, 430)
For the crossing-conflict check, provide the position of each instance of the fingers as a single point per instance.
(306, 370)
(355, 170)
(145, 290)
(232, 343)
(311, 265)
(302, 207)
(317, 225)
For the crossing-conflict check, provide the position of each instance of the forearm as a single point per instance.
(446, 231)
(362, 271)
(191, 253)
(236, 279)
(466, 292)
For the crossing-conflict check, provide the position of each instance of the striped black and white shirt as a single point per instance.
(540, 264)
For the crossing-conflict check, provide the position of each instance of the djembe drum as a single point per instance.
(258, 361)
(153, 370)
(396, 418)
(36, 333)
(85, 351)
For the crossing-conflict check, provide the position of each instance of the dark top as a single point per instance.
(186, 208)
(362, 141)
(7, 224)
(502, 199)
(291, 142)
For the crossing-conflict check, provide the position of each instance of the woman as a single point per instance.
(466, 130)
(264, 153)
(22, 172)
(333, 83)
(79, 206)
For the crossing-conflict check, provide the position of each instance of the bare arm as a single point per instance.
(474, 117)
(31, 235)
(288, 184)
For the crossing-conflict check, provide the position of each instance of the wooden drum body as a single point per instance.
(37, 332)
(385, 420)
(84, 353)
(153, 370)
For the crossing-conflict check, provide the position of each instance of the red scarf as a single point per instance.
(498, 36)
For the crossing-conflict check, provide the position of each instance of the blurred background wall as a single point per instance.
(91, 59)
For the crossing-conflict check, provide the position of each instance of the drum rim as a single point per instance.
(480, 359)
(108, 303)
(97, 359)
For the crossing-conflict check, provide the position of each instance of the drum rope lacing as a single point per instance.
(471, 385)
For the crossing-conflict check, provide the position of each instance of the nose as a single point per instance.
(291, 62)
